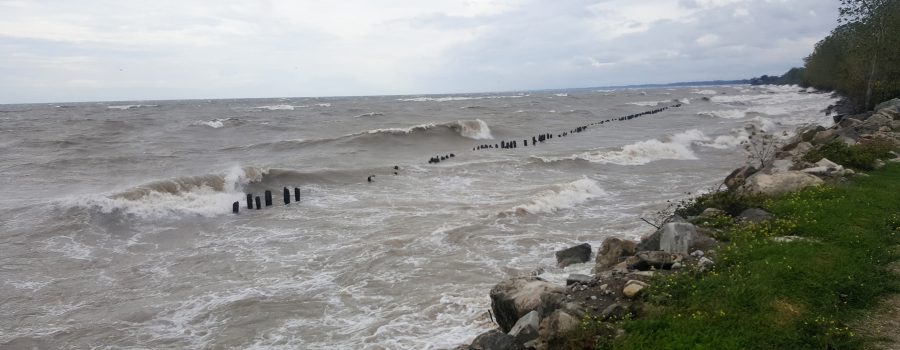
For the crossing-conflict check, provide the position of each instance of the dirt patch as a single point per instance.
(883, 324)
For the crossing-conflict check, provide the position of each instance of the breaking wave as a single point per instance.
(562, 196)
(127, 107)
(456, 98)
(677, 146)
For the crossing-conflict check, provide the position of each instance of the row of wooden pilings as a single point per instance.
(236, 206)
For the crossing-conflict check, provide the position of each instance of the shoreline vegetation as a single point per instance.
(791, 255)
(795, 250)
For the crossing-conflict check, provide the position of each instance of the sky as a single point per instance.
(105, 50)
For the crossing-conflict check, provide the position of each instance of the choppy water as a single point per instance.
(116, 228)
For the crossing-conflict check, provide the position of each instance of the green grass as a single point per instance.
(860, 156)
(767, 295)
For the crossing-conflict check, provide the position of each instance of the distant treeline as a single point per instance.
(860, 59)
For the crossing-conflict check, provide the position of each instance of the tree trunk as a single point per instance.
(870, 85)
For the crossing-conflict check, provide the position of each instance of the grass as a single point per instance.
(767, 295)
(860, 156)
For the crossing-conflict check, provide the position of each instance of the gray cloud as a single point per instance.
(93, 50)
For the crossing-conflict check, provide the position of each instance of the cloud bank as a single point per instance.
(125, 50)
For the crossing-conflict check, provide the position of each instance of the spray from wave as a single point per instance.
(677, 146)
(560, 197)
(473, 129)
(206, 195)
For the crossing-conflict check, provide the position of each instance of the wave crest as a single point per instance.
(563, 196)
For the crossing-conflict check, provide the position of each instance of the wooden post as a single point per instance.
(235, 207)
(249, 200)
(287, 196)
(268, 198)
(296, 195)
(258, 203)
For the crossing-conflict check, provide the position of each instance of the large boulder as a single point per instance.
(652, 260)
(558, 323)
(779, 183)
(890, 108)
(495, 340)
(651, 242)
(677, 237)
(874, 123)
(611, 252)
(825, 167)
(573, 255)
(739, 176)
(515, 297)
(526, 328)
(824, 136)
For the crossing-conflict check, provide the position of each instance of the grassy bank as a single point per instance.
(763, 294)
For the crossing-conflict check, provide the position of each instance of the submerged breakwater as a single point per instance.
(117, 229)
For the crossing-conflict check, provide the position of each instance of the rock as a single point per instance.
(573, 255)
(616, 311)
(703, 240)
(824, 137)
(495, 340)
(526, 328)
(705, 263)
(651, 242)
(652, 259)
(755, 215)
(558, 323)
(890, 107)
(633, 288)
(780, 183)
(878, 164)
(578, 278)
(849, 123)
(513, 298)
(676, 266)
(826, 167)
(875, 122)
(697, 254)
(780, 166)
(808, 135)
(739, 176)
(711, 213)
(611, 252)
(677, 237)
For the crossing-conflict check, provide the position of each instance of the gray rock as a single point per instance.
(515, 297)
(780, 183)
(677, 237)
(710, 213)
(495, 340)
(705, 263)
(808, 135)
(739, 176)
(676, 266)
(652, 259)
(611, 252)
(890, 107)
(558, 323)
(526, 328)
(755, 215)
(651, 242)
(825, 136)
(616, 311)
(875, 122)
(697, 253)
(633, 288)
(578, 278)
(849, 123)
(573, 255)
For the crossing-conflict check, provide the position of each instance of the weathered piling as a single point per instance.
(235, 207)
(287, 196)
(268, 198)
(297, 194)
(258, 203)
(249, 200)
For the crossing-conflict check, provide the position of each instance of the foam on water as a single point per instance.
(677, 146)
(127, 107)
(456, 98)
(560, 197)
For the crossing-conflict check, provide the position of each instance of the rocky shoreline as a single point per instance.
(532, 313)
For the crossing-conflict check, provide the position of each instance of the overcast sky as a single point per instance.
(70, 50)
